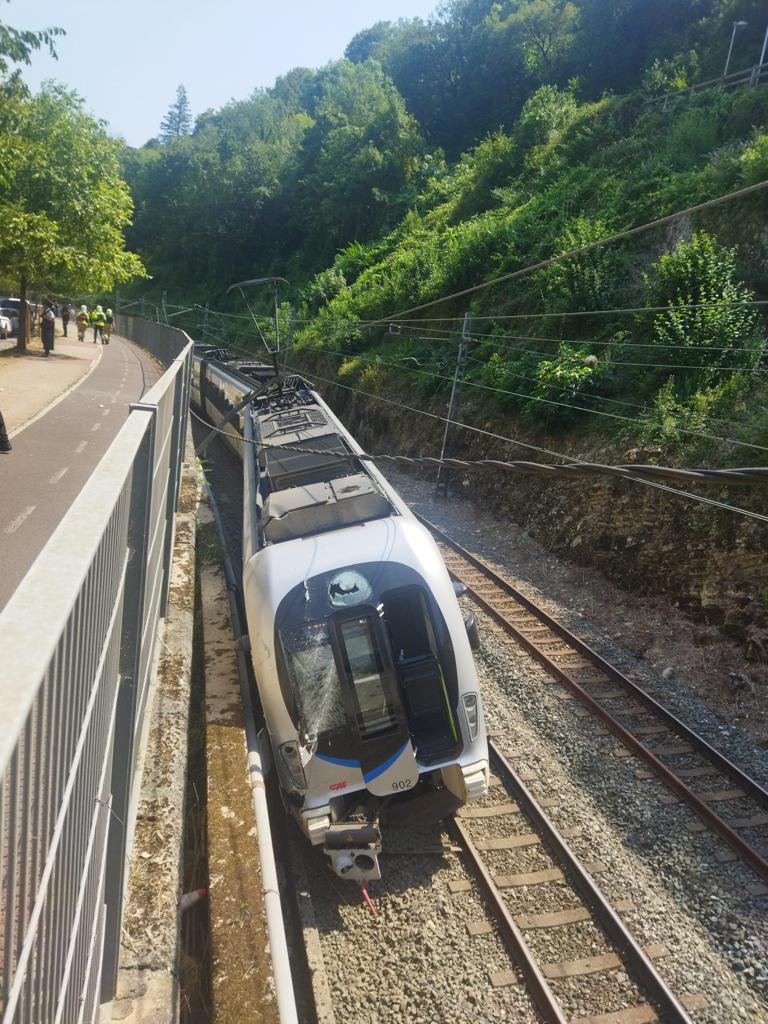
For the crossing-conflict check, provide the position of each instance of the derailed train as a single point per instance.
(362, 659)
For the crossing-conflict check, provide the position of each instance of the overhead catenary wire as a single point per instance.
(638, 474)
(492, 340)
(532, 447)
(581, 342)
(581, 250)
(748, 476)
(359, 323)
(518, 442)
(449, 336)
(414, 324)
(617, 310)
(536, 398)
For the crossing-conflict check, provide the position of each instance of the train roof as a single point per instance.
(311, 478)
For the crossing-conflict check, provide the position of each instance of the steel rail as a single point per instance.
(755, 790)
(542, 994)
(744, 850)
(635, 957)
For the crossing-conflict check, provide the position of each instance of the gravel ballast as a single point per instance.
(416, 962)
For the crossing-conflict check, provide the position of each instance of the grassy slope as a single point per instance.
(565, 175)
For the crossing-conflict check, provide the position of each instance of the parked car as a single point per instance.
(12, 315)
(5, 326)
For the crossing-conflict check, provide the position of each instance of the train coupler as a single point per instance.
(354, 851)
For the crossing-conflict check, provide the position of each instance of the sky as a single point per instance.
(127, 57)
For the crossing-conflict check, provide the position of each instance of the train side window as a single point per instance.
(375, 709)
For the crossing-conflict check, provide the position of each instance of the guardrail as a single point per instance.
(78, 640)
(737, 79)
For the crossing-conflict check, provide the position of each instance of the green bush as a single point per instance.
(726, 333)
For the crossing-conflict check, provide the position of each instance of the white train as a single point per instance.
(361, 655)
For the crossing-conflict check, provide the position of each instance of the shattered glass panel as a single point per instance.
(313, 677)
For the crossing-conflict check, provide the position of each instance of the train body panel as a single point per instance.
(359, 647)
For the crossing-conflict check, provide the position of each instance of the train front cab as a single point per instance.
(374, 690)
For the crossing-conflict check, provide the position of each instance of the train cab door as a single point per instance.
(373, 704)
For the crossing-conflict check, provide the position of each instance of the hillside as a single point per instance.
(443, 155)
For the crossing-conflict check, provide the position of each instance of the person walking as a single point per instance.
(97, 322)
(108, 326)
(82, 320)
(5, 444)
(48, 328)
(65, 314)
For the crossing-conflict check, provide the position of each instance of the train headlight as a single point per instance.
(289, 752)
(472, 712)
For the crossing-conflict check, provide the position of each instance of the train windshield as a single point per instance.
(313, 677)
(375, 709)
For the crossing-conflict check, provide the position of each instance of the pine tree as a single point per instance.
(178, 120)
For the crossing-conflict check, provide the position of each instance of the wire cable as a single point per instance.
(523, 444)
(581, 250)
(744, 476)
(584, 312)
(492, 340)
(535, 398)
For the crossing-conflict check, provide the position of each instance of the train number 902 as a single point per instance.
(402, 784)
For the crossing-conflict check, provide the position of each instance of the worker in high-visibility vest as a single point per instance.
(97, 322)
(108, 325)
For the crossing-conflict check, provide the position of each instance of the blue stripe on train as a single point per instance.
(376, 772)
(340, 761)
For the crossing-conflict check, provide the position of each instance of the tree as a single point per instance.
(363, 46)
(358, 157)
(17, 45)
(65, 205)
(547, 29)
(178, 120)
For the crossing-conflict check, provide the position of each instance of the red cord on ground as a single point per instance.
(368, 900)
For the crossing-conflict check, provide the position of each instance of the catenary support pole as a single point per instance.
(453, 407)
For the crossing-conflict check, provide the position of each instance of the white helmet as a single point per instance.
(83, 308)
(109, 312)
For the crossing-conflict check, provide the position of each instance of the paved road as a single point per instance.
(54, 456)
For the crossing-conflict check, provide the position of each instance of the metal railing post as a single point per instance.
(175, 459)
(127, 703)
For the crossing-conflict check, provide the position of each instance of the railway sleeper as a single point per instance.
(553, 919)
(517, 842)
(500, 810)
(579, 968)
(644, 1013)
(756, 821)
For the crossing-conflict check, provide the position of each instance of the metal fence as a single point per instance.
(750, 77)
(76, 652)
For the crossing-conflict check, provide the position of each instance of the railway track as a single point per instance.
(690, 767)
(518, 809)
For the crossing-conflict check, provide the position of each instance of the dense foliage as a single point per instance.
(65, 204)
(446, 152)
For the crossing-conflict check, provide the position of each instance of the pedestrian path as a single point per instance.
(31, 383)
(63, 440)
